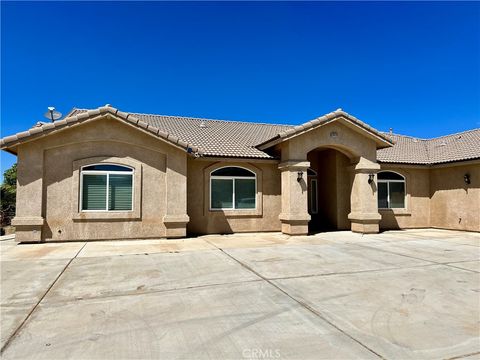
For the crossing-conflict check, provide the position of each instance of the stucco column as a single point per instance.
(176, 217)
(294, 215)
(29, 220)
(364, 216)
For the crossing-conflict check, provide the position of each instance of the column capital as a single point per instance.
(367, 166)
(294, 165)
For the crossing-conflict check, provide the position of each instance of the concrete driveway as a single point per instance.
(397, 295)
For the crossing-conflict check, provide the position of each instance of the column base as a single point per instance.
(292, 225)
(365, 223)
(175, 226)
(28, 229)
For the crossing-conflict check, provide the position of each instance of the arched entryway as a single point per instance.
(329, 185)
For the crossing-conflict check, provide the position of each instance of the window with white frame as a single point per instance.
(233, 188)
(106, 187)
(391, 190)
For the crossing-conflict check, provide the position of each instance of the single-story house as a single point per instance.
(107, 174)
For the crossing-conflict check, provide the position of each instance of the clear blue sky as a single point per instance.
(410, 66)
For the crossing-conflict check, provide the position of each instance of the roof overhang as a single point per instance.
(336, 116)
(10, 143)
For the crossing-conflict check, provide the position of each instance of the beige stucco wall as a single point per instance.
(206, 221)
(417, 202)
(437, 197)
(48, 180)
(455, 204)
(172, 189)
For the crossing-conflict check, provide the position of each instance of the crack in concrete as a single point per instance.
(29, 315)
(418, 258)
(301, 303)
(464, 356)
(47, 304)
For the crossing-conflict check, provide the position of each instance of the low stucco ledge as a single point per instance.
(396, 212)
(176, 225)
(364, 217)
(28, 221)
(106, 215)
(176, 219)
(294, 217)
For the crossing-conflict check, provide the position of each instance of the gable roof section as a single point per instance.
(75, 117)
(218, 138)
(380, 138)
(410, 150)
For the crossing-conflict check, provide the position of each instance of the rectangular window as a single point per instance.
(106, 187)
(120, 192)
(397, 194)
(222, 193)
(382, 195)
(391, 194)
(232, 188)
(244, 193)
(94, 192)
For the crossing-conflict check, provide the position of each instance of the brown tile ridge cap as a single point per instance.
(433, 138)
(103, 110)
(205, 119)
(324, 119)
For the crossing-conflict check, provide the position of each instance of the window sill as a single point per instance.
(237, 213)
(107, 215)
(396, 212)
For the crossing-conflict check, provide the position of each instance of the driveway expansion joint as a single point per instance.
(29, 315)
(301, 303)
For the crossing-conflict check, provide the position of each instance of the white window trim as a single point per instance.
(386, 181)
(314, 172)
(107, 173)
(219, 177)
(312, 199)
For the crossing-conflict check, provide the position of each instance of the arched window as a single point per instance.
(106, 187)
(391, 190)
(232, 188)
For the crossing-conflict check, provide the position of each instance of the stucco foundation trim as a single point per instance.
(396, 212)
(176, 219)
(364, 217)
(28, 221)
(290, 218)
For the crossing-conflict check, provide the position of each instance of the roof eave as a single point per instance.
(9, 142)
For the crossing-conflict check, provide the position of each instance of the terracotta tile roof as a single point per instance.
(223, 138)
(216, 137)
(444, 149)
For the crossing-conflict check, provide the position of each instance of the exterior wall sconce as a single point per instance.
(299, 176)
(466, 178)
(370, 178)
